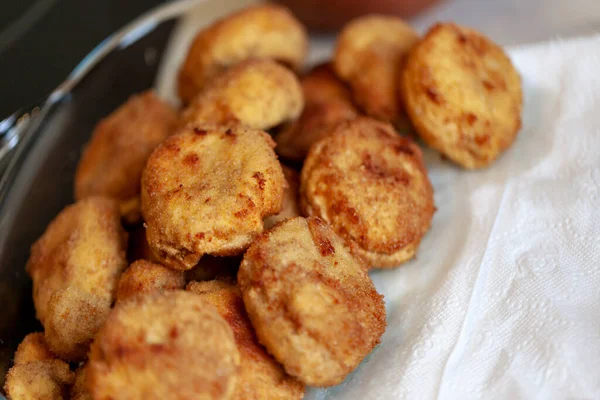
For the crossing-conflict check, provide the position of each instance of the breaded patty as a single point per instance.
(79, 389)
(170, 345)
(369, 57)
(112, 163)
(261, 377)
(371, 185)
(291, 206)
(257, 93)
(463, 95)
(33, 348)
(79, 258)
(206, 190)
(39, 380)
(313, 306)
(327, 102)
(263, 31)
(145, 277)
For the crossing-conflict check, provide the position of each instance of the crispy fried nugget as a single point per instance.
(264, 31)
(39, 380)
(169, 345)
(257, 93)
(312, 304)
(33, 348)
(372, 187)
(79, 389)
(112, 162)
(327, 102)
(369, 56)
(463, 95)
(75, 267)
(206, 190)
(145, 277)
(261, 377)
(291, 206)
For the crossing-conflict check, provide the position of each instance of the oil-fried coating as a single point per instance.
(33, 348)
(39, 380)
(112, 162)
(206, 190)
(257, 93)
(312, 304)
(260, 377)
(327, 102)
(463, 95)
(145, 277)
(79, 389)
(369, 56)
(291, 205)
(169, 345)
(263, 31)
(77, 263)
(371, 185)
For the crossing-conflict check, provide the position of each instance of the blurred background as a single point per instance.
(41, 41)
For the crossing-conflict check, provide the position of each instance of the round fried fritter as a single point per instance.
(206, 190)
(260, 377)
(372, 187)
(257, 93)
(82, 250)
(369, 56)
(327, 102)
(291, 206)
(112, 162)
(33, 348)
(39, 380)
(263, 31)
(312, 304)
(145, 277)
(463, 95)
(169, 345)
(79, 389)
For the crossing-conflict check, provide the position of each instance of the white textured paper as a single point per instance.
(503, 299)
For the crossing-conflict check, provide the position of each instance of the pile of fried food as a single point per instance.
(195, 265)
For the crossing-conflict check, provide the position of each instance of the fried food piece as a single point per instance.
(39, 380)
(79, 389)
(463, 95)
(369, 57)
(371, 185)
(145, 277)
(33, 348)
(291, 206)
(263, 31)
(257, 93)
(169, 345)
(112, 162)
(206, 190)
(211, 267)
(260, 377)
(75, 267)
(327, 102)
(312, 304)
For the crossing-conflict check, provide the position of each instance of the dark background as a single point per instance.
(41, 41)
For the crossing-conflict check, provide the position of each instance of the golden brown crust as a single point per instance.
(327, 102)
(312, 304)
(206, 190)
(79, 389)
(369, 56)
(291, 206)
(463, 95)
(145, 277)
(78, 258)
(263, 31)
(33, 348)
(170, 345)
(257, 93)
(261, 377)
(39, 380)
(112, 162)
(371, 185)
